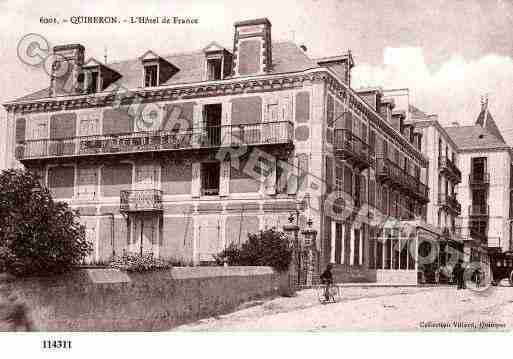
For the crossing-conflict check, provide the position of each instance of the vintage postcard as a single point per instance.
(212, 166)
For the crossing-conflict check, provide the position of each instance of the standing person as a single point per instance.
(457, 273)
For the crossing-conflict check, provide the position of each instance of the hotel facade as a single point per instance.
(181, 155)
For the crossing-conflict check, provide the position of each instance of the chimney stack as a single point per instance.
(66, 69)
(252, 47)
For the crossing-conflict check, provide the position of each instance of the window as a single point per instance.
(478, 167)
(372, 141)
(214, 69)
(92, 82)
(372, 192)
(212, 123)
(210, 173)
(150, 75)
(348, 180)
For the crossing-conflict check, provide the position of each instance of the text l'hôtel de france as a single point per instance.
(77, 20)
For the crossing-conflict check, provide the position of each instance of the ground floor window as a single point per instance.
(387, 250)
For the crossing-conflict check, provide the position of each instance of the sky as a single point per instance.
(448, 53)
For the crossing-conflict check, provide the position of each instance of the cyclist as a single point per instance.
(327, 280)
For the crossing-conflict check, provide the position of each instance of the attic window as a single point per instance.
(150, 75)
(92, 81)
(214, 69)
(481, 136)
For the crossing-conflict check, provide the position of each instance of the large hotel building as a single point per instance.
(181, 155)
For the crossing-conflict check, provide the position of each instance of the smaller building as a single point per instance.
(485, 192)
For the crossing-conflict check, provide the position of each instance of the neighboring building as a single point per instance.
(443, 209)
(211, 145)
(485, 192)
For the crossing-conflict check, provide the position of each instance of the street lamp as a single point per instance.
(310, 235)
(292, 229)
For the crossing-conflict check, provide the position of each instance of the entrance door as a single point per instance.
(145, 235)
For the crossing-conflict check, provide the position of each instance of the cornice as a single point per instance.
(255, 84)
(356, 103)
(263, 83)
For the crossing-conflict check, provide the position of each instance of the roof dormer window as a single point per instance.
(214, 69)
(151, 75)
(96, 76)
(218, 62)
(156, 70)
(92, 81)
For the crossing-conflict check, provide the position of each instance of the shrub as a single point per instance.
(139, 263)
(265, 248)
(38, 236)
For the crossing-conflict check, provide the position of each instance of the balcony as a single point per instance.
(389, 172)
(393, 175)
(140, 200)
(481, 179)
(352, 149)
(449, 202)
(478, 211)
(446, 166)
(269, 133)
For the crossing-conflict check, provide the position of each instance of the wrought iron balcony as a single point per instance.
(351, 148)
(479, 179)
(140, 200)
(450, 202)
(268, 133)
(478, 210)
(390, 173)
(445, 165)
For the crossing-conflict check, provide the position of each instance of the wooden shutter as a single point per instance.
(21, 125)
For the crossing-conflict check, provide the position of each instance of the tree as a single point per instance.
(265, 248)
(38, 235)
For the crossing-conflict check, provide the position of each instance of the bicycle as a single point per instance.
(333, 293)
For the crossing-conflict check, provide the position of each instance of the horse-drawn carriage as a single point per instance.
(501, 264)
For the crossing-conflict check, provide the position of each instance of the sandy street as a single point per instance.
(374, 308)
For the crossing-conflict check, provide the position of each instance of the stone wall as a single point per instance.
(110, 300)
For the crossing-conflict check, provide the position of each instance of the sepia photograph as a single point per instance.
(335, 166)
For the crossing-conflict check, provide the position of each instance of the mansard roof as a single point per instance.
(475, 137)
(287, 57)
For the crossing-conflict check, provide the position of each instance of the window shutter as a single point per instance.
(20, 129)
(292, 177)
(224, 184)
(270, 180)
(348, 180)
(196, 179)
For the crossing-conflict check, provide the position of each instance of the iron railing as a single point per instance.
(388, 171)
(446, 165)
(140, 200)
(449, 201)
(352, 148)
(206, 137)
(479, 178)
(478, 210)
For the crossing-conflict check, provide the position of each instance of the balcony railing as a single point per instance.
(207, 137)
(450, 202)
(140, 200)
(479, 179)
(389, 172)
(478, 210)
(445, 165)
(351, 148)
